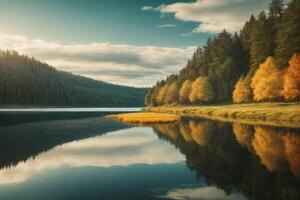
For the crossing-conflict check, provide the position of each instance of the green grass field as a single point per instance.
(277, 114)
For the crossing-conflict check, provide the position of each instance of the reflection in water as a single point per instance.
(292, 151)
(57, 158)
(268, 168)
(120, 148)
(20, 142)
(243, 134)
(210, 192)
(268, 145)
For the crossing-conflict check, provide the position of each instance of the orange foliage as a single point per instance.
(162, 94)
(185, 91)
(242, 91)
(292, 150)
(201, 90)
(291, 88)
(267, 82)
(185, 131)
(201, 132)
(171, 93)
(243, 134)
(268, 145)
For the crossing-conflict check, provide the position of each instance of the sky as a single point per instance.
(127, 42)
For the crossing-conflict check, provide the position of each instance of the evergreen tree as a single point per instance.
(261, 41)
(288, 36)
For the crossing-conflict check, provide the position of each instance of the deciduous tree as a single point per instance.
(267, 82)
(242, 91)
(185, 91)
(201, 90)
(291, 87)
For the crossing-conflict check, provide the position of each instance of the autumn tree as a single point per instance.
(267, 82)
(185, 91)
(162, 94)
(201, 90)
(242, 91)
(171, 94)
(291, 87)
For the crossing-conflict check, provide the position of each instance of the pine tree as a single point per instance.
(276, 9)
(262, 44)
(288, 36)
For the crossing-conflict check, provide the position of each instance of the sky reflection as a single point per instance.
(119, 148)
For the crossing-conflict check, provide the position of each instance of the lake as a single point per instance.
(62, 154)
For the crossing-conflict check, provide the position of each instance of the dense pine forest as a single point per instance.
(260, 63)
(26, 81)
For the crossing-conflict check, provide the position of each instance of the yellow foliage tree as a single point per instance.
(201, 90)
(242, 91)
(267, 82)
(171, 94)
(162, 93)
(291, 87)
(185, 91)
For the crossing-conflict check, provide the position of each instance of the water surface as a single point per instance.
(81, 155)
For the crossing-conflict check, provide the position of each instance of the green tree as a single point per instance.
(288, 36)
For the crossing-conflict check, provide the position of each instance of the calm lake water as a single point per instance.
(62, 155)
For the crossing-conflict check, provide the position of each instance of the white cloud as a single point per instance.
(151, 8)
(167, 26)
(115, 63)
(215, 15)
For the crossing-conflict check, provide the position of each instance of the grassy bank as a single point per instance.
(276, 114)
(144, 118)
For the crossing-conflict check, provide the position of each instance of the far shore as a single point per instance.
(274, 114)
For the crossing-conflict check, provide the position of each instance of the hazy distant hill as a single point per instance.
(26, 81)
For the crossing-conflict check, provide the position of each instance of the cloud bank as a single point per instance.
(213, 15)
(115, 63)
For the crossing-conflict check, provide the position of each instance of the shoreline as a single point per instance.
(272, 114)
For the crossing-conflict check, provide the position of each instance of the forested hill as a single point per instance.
(26, 81)
(260, 63)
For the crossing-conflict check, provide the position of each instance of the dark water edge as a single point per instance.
(58, 157)
(22, 141)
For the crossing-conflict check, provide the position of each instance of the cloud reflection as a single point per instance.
(211, 193)
(119, 148)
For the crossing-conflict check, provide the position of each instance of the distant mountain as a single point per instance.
(27, 81)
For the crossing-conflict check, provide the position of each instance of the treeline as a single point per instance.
(27, 81)
(260, 63)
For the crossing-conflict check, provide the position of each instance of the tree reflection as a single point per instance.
(21, 142)
(263, 162)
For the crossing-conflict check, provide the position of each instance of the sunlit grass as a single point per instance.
(283, 114)
(144, 118)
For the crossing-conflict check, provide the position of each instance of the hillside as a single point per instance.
(260, 63)
(26, 81)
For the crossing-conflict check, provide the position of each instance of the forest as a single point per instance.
(260, 63)
(27, 81)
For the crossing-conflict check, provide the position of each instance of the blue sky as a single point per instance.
(131, 42)
(117, 21)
